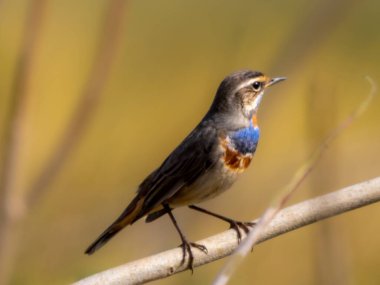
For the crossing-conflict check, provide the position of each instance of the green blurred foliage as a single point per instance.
(172, 57)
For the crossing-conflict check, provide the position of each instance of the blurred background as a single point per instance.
(95, 94)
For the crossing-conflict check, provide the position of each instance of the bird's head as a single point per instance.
(239, 95)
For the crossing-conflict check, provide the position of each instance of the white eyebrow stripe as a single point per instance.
(248, 83)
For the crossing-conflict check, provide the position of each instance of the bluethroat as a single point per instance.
(205, 164)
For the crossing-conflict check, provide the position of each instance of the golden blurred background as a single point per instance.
(139, 75)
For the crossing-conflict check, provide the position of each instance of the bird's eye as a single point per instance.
(256, 86)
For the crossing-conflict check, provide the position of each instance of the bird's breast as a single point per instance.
(233, 159)
(244, 140)
(238, 147)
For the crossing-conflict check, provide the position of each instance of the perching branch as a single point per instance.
(167, 263)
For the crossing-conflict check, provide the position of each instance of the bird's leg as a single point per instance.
(236, 225)
(186, 246)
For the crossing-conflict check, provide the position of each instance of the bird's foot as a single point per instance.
(187, 248)
(237, 225)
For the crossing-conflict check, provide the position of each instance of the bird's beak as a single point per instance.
(274, 81)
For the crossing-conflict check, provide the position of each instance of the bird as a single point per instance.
(205, 164)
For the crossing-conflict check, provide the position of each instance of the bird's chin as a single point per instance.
(253, 106)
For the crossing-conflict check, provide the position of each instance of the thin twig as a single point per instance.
(167, 263)
(19, 101)
(108, 44)
(329, 251)
(11, 202)
(14, 207)
(287, 192)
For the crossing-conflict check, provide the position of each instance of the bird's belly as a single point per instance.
(210, 185)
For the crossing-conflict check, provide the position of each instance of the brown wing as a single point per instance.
(190, 160)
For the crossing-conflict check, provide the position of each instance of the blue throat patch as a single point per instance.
(245, 140)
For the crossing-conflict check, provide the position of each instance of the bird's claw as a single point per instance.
(245, 226)
(186, 248)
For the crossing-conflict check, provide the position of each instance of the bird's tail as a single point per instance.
(129, 216)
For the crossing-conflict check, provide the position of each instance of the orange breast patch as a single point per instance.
(233, 159)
